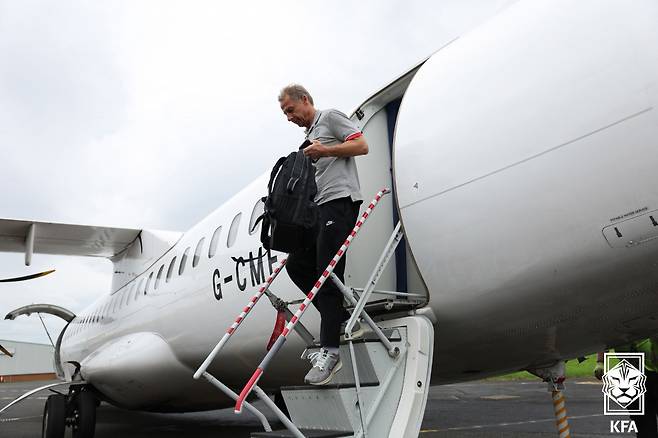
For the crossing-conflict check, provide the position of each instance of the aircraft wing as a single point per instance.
(65, 239)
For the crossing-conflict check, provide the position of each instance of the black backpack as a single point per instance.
(290, 213)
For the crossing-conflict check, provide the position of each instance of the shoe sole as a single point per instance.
(337, 368)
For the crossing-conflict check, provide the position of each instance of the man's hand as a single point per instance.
(598, 370)
(315, 150)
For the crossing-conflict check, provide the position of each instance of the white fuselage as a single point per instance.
(523, 168)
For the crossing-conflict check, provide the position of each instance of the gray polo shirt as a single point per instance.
(336, 177)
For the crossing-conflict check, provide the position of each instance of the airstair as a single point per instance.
(381, 391)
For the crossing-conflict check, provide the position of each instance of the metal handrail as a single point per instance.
(347, 293)
(241, 317)
(392, 293)
(226, 390)
(302, 308)
(389, 250)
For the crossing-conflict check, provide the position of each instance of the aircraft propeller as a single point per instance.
(27, 277)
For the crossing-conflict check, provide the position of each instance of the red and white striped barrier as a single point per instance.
(302, 308)
(241, 317)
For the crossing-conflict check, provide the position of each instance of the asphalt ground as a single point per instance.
(468, 410)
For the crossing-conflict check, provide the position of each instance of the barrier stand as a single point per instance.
(560, 410)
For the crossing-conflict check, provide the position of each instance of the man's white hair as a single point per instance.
(295, 92)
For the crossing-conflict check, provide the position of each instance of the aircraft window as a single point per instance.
(157, 279)
(183, 260)
(148, 283)
(212, 249)
(233, 231)
(197, 252)
(255, 214)
(170, 270)
(140, 289)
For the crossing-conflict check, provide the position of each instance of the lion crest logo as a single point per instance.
(624, 383)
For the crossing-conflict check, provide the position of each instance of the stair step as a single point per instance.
(345, 377)
(309, 433)
(392, 305)
(370, 336)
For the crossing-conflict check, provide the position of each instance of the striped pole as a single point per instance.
(560, 410)
(302, 308)
(229, 332)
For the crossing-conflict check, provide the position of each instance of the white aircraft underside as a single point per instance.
(523, 167)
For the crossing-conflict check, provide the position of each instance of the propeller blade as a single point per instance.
(4, 350)
(27, 277)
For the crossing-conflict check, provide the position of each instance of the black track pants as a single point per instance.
(336, 221)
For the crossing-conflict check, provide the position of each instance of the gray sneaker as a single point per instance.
(325, 365)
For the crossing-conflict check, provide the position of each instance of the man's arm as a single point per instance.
(349, 148)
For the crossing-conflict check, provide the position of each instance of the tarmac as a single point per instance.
(520, 409)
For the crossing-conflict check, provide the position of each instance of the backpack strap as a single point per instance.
(297, 171)
(265, 232)
(275, 170)
(306, 143)
(261, 217)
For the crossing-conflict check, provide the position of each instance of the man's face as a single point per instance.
(297, 111)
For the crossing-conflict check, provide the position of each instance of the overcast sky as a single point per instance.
(150, 114)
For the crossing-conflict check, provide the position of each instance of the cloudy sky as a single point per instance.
(149, 114)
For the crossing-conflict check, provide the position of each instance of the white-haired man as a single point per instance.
(335, 141)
